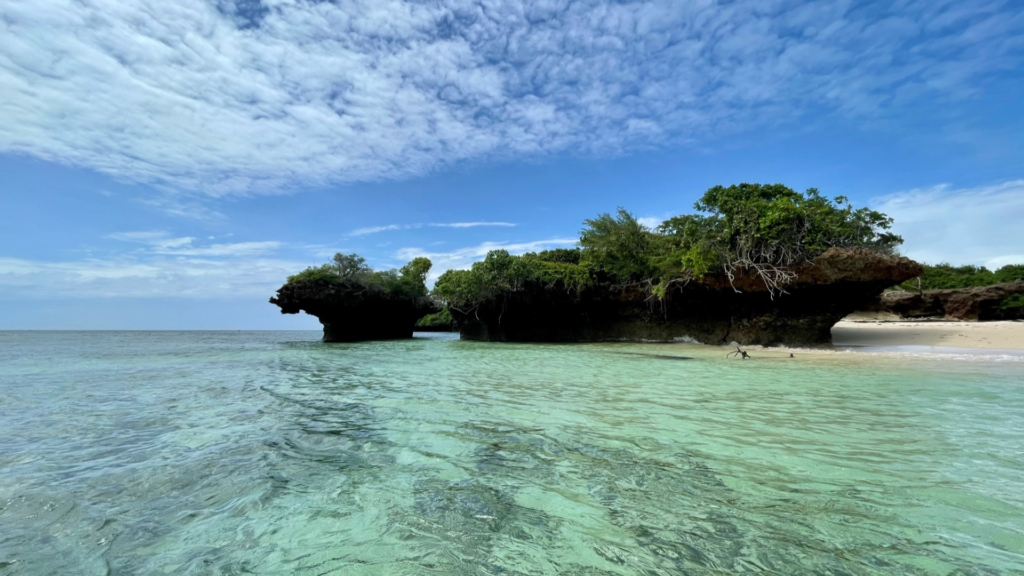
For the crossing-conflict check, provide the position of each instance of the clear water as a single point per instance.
(272, 453)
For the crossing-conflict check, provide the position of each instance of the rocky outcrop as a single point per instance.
(711, 311)
(978, 303)
(350, 312)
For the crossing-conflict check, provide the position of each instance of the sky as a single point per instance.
(165, 165)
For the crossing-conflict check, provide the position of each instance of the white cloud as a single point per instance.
(144, 276)
(653, 222)
(166, 266)
(156, 239)
(160, 242)
(982, 225)
(183, 205)
(463, 258)
(376, 229)
(248, 96)
(471, 224)
(231, 250)
(389, 227)
(161, 265)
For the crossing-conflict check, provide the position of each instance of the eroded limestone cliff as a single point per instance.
(978, 303)
(350, 312)
(711, 310)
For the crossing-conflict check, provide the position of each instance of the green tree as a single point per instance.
(416, 270)
(619, 245)
(763, 229)
(351, 273)
(351, 266)
(945, 276)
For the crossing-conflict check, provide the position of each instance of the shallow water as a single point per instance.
(272, 453)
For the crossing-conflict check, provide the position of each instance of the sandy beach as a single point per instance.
(993, 335)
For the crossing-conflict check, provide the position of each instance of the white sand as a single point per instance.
(994, 335)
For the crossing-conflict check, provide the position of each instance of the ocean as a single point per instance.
(274, 453)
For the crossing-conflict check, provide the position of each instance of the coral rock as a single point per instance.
(712, 310)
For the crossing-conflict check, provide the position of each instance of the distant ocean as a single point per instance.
(273, 453)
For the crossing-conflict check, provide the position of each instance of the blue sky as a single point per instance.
(166, 164)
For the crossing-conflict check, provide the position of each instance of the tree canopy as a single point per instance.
(351, 272)
(760, 228)
(945, 275)
(501, 272)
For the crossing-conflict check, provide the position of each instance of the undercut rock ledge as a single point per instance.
(710, 311)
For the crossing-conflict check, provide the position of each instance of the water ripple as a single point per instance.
(272, 453)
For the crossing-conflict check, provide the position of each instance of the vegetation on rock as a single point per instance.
(1016, 301)
(351, 273)
(966, 292)
(944, 276)
(502, 273)
(751, 228)
(354, 302)
(998, 301)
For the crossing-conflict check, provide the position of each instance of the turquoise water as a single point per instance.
(272, 453)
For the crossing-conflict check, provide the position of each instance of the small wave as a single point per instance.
(922, 352)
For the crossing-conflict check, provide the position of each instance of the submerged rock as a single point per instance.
(710, 310)
(977, 303)
(350, 311)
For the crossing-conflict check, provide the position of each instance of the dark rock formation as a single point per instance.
(978, 303)
(708, 311)
(350, 312)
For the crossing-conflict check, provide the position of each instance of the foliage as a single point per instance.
(757, 227)
(943, 276)
(620, 246)
(766, 228)
(762, 229)
(315, 274)
(502, 273)
(1014, 301)
(1009, 273)
(416, 269)
(351, 266)
(352, 272)
(560, 256)
(442, 319)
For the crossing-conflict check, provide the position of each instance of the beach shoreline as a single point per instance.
(978, 336)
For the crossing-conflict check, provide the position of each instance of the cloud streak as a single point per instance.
(237, 97)
(145, 276)
(389, 227)
(159, 242)
(160, 265)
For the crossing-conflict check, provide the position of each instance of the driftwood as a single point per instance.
(738, 353)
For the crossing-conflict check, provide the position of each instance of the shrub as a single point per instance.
(351, 272)
(442, 319)
(765, 229)
(944, 276)
(620, 246)
(760, 228)
(1014, 301)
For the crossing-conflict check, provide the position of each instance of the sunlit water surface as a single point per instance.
(272, 453)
